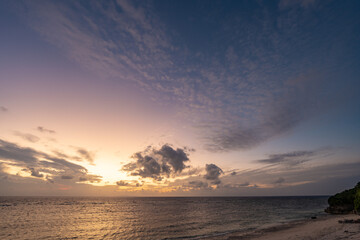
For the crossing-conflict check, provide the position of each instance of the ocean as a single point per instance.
(148, 218)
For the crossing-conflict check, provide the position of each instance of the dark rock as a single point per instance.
(340, 209)
(349, 221)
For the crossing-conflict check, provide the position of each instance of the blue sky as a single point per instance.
(227, 83)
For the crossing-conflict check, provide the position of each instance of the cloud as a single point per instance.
(175, 158)
(213, 173)
(272, 88)
(158, 163)
(82, 179)
(296, 157)
(52, 168)
(122, 183)
(198, 185)
(11, 151)
(36, 173)
(240, 185)
(131, 183)
(295, 168)
(45, 130)
(67, 177)
(27, 136)
(90, 178)
(280, 180)
(245, 184)
(87, 155)
(293, 158)
(3, 109)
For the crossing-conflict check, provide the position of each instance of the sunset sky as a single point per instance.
(179, 98)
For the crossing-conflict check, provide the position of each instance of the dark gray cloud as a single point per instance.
(240, 185)
(82, 179)
(175, 158)
(49, 179)
(35, 173)
(45, 130)
(3, 109)
(90, 178)
(67, 177)
(198, 185)
(122, 183)
(149, 167)
(213, 173)
(158, 163)
(27, 136)
(11, 151)
(51, 167)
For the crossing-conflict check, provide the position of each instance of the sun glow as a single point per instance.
(108, 170)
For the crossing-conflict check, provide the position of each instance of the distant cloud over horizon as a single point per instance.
(158, 163)
(213, 173)
(40, 164)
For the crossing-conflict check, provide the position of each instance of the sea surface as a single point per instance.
(147, 218)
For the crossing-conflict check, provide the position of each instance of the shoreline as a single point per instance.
(323, 227)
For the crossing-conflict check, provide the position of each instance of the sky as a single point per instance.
(179, 98)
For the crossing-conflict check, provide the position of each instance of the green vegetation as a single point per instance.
(345, 202)
(357, 201)
(345, 197)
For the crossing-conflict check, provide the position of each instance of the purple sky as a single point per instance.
(182, 98)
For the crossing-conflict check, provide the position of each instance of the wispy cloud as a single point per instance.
(257, 85)
(45, 130)
(296, 157)
(27, 136)
(280, 180)
(199, 185)
(87, 155)
(294, 168)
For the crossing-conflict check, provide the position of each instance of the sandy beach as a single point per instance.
(325, 228)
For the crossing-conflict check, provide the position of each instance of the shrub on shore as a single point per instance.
(357, 202)
(345, 202)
